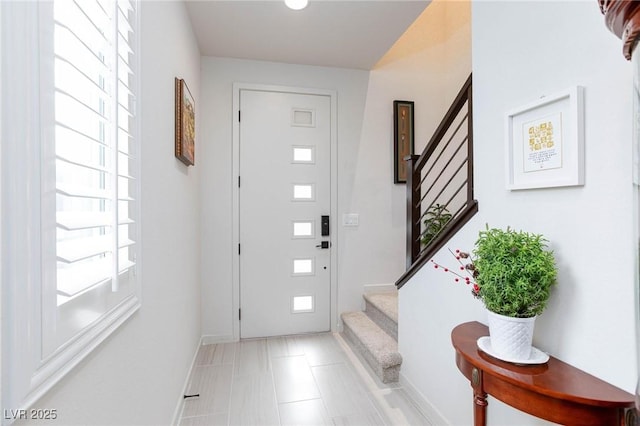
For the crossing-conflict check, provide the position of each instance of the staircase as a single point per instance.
(373, 333)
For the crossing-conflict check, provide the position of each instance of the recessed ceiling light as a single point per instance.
(296, 4)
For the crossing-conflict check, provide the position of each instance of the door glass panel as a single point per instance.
(302, 266)
(303, 118)
(303, 155)
(303, 192)
(302, 304)
(303, 229)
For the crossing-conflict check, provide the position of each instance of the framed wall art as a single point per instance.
(185, 143)
(402, 138)
(545, 142)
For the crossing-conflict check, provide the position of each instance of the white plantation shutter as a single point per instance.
(94, 48)
(70, 164)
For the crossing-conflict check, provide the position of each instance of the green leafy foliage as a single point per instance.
(513, 271)
(435, 219)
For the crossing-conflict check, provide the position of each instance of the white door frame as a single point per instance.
(333, 286)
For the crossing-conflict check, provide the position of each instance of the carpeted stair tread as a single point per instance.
(378, 348)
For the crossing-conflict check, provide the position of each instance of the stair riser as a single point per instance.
(386, 375)
(384, 322)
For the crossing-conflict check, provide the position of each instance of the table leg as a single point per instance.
(479, 409)
(479, 399)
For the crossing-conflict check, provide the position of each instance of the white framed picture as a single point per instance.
(545, 142)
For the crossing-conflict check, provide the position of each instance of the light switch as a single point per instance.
(350, 219)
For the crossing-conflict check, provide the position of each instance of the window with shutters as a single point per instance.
(87, 156)
(94, 126)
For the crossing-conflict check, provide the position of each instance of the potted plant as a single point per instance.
(512, 273)
(435, 219)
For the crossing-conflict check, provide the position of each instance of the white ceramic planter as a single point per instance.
(511, 337)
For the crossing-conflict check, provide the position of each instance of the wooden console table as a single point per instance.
(554, 391)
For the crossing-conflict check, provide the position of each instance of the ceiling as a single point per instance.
(344, 34)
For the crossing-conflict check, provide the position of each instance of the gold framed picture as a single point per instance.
(185, 144)
(402, 138)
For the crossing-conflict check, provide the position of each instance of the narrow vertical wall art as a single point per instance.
(402, 138)
(185, 142)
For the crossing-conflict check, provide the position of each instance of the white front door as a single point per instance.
(284, 194)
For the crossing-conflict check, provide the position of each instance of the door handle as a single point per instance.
(324, 245)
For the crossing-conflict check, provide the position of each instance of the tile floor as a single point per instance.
(291, 380)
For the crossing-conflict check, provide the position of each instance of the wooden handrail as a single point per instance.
(437, 244)
(413, 213)
(422, 195)
(451, 114)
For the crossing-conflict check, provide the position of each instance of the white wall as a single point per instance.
(428, 64)
(137, 375)
(532, 49)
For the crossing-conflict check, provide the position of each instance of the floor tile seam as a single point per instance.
(202, 415)
(231, 382)
(364, 380)
(213, 365)
(360, 388)
(300, 400)
(285, 356)
(273, 385)
(215, 362)
(315, 381)
(409, 399)
(321, 399)
(373, 392)
(324, 404)
(330, 362)
(286, 353)
(327, 364)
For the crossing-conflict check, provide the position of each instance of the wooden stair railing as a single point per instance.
(440, 185)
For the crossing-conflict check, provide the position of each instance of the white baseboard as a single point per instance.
(434, 416)
(379, 288)
(212, 339)
(204, 340)
(178, 411)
